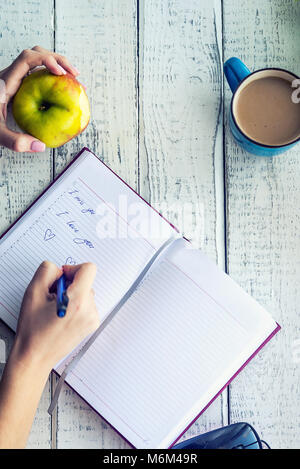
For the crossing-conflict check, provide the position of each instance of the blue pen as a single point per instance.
(62, 298)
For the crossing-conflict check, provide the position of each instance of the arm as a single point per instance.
(21, 387)
(10, 80)
(42, 339)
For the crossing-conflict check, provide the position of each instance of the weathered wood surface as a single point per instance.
(153, 72)
(24, 176)
(263, 225)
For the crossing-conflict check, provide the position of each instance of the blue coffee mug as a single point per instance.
(239, 76)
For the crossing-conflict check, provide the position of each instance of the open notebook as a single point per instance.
(180, 338)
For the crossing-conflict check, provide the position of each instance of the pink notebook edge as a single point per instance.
(62, 172)
(235, 374)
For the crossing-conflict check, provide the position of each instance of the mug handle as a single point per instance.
(235, 71)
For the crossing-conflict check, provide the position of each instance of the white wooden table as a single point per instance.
(153, 72)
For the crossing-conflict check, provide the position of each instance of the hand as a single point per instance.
(41, 335)
(10, 81)
(42, 339)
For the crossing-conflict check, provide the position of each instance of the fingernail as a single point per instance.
(38, 146)
(61, 69)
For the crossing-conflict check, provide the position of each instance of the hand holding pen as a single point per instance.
(40, 333)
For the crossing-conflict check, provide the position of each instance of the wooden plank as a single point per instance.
(100, 40)
(24, 176)
(263, 224)
(180, 123)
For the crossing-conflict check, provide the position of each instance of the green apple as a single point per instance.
(52, 108)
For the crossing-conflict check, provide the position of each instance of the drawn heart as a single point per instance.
(70, 261)
(48, 235)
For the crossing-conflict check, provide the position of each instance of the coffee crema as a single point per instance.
(265, 112)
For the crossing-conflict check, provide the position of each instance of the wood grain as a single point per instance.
(263, 225)
(180, 123)
(24, 176)
(153, 72)
(99, 38)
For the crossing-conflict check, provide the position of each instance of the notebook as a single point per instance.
(181, 337)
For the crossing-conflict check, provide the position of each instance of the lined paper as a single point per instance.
(80, 223)
(163, 353)
(62, 234)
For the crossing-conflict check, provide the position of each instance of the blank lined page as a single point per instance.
(165, 355)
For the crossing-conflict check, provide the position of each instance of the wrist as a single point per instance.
(28, 359)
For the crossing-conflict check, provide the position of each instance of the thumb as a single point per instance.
(45, 276)
(17, 141)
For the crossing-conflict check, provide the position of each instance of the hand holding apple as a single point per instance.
(10, 81)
